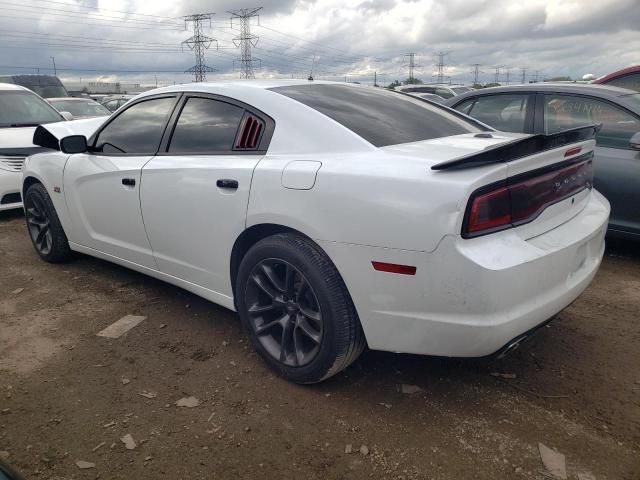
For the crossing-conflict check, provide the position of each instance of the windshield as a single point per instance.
(380, 117)
(20, 108)
(80, 108)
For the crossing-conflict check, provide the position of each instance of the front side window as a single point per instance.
(380, 117)
(137, 130)
(465, 106)
(206, 126)
(562, 112)
(22, 108)
(506, 113)
(631, 81)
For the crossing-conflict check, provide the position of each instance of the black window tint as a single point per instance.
(138, 129)
(503, 112)
(562, 112)
(380, 117)
(206, 125)
(631, 81)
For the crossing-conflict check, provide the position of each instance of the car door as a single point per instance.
(102, 186)
(617, 166)
(507, 112)
(195, 193)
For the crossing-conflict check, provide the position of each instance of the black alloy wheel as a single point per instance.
(284, 312)
(38, 224)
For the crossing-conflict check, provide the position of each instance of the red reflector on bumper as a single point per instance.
(572, 151)
(394, 268)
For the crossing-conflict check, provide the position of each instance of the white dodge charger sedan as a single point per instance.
(329, 216)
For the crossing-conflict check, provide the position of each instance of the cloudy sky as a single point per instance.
(140, 40)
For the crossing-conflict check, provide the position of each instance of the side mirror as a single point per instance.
(66, 115)
(73, 144)
(634, 142)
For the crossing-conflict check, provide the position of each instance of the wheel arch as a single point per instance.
(27, 182)
(250, 237)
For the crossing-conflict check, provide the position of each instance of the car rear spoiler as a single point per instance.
(519, 148)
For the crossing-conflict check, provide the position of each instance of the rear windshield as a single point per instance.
(80, 108)
(379, 116)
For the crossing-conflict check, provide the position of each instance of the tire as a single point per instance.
(44, 227)
(289, 292)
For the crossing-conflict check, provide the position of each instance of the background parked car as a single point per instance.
(625, 78)
(47, 86)
(114, 102)
(21, 111)
(548, 108)
(429, 96)
(79, 107)
(442, 90)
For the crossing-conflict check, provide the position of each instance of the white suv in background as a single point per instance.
(21, 111)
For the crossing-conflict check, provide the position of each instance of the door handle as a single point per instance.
(129, 182)
(227, 183)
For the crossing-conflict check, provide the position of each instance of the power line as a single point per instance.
(246, 40)
(199, 43)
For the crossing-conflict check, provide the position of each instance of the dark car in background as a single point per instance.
(548, 108)
(47, 86)
(79, 107)
(625, 78)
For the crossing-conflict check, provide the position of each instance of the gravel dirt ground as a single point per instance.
(68, 395)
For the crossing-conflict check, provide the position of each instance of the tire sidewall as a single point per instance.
(274, 247)
(59, 246)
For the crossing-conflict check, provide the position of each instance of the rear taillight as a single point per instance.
(521, 199)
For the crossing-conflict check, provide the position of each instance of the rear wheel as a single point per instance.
(44, 227)
(297, 310)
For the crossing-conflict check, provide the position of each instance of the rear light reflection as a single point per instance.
(519, 202)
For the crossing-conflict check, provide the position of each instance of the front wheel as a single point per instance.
(297, 310)
(45, 229)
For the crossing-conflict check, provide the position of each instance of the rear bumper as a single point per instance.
(10, 183)
(469, 298)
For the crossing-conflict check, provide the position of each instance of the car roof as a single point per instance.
(71, 99)
(11, 86)
(618, 73)
(606, 92)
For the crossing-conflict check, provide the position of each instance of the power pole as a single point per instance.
(476, 72)
(55, 72)
(375, 79)
(245, 40)
(508, 74)
(537, 74)
(412, 65)
(199, 43)
(524, 75)
(440, 65)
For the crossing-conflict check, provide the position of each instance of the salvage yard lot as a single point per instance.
(68, 395)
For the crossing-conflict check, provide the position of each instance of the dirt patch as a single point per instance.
(69, 396)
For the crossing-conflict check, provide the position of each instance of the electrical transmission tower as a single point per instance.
(199, 43)
(523, 79)
(508, 74)
(412, 66)
(497, 74)
(476, 72)
(245, 40)
(440, 65)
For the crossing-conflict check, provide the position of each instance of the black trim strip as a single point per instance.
(21, 152)
(519, 148)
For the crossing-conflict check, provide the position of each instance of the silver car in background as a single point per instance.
(546, 108)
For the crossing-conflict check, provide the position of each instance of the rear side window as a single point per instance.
(137, 130)
(380, 117)
(503, 112)
(631, 81)
(206, 126)
(562, 112)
